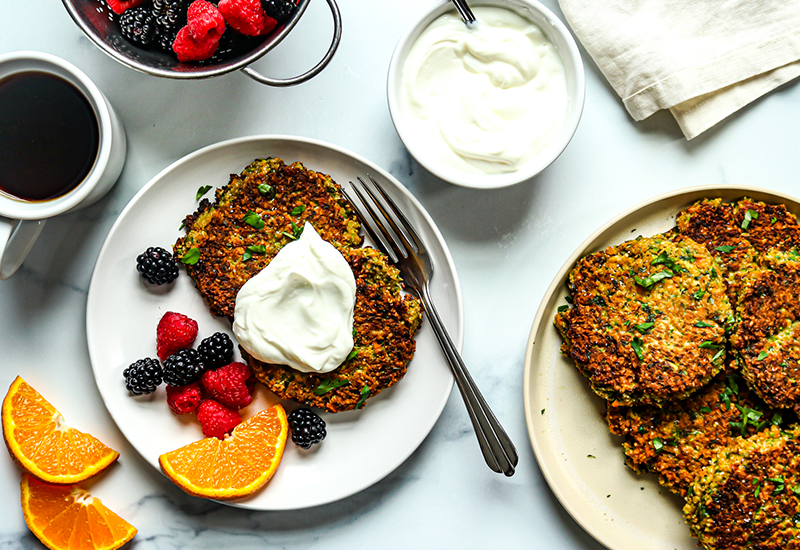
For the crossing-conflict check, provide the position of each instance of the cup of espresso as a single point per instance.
(62, 147)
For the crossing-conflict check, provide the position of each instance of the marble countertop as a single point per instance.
(507, 246)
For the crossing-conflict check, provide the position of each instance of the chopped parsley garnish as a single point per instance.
(705, 410)
(202, 191)
(774, 219)
(636, 344)
(749, 417)
(542, 411)
(780, 484)
(762, 355)
(265, 189)
(648, 282)
(364, 395)
(253, 249)
(353, 353)
(758, 489)
(191, 257)
(710, 345)
(330, 384)
(562, 309)
(725, 249)
(568, 299)
(717, 355)
(665, 260)
(658, 444)
(590, 456)
(254, 220)
(749, 216)
(796, 489)
(699, 294)
(777, 418)
(298, 210)
(644, 328)
(703, 324)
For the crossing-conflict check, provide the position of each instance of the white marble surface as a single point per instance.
(507, 246)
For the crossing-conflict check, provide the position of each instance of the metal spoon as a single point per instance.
(464, 11)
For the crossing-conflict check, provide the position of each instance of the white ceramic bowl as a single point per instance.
(556, 33)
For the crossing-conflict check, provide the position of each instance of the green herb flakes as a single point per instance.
(353, 353)
(297, 210)
(709, 345)
(658, 444)
(202, 191)
(705, 410)
(648, 282)
(762, 355)
(562, 309)
(644, 328)
(266, 189)
(703, 324)
(636, 344)
(699, 294)
(725, 249)
(330, 384)
(191, 257)
(364, 395)
(749, 216)
(254, 220)
(253, 249)
(664, 259)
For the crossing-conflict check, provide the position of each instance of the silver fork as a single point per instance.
(408, 253)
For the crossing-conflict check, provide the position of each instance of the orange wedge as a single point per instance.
(67, 517)
(43, 445)
(233, 467)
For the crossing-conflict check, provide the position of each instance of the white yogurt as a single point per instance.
(484, 99)
(298, 311)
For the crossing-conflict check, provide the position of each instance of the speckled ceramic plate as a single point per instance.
(583, 463)
(122, 313)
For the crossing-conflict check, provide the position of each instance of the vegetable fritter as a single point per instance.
(677, 440)
(748, 498)
(254, 216)
(259, 212)
(772, 368)
(385, 322)
(648, 319)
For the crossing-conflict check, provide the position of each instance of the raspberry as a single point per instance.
(184, 399)
(119, 6)
(175, 332)
(205, 21)
(231, 385)
(246, 16)
(217, 419)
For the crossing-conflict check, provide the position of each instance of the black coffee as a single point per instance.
(49, 136)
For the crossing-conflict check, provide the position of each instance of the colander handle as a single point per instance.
(337, 37)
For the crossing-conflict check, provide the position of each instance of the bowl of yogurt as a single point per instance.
(490, 104)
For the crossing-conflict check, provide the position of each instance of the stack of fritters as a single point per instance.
(715, 442)
(259, 212)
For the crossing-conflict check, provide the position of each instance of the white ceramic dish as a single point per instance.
(583, 463)
(122, 313)
(556, 32)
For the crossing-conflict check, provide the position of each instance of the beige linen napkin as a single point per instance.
(701, 59)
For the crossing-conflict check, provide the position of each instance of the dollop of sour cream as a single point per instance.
(483, 99)
(298, 311)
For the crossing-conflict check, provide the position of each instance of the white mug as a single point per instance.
(21, 221)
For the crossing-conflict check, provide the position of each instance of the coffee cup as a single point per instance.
(84, 146)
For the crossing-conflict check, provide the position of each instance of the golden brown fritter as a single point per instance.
(748, 498)
(648, 319)
(713, 223)
(385, 322)
(257, 214)
(770, 226)
(772, 368)
(677, 440)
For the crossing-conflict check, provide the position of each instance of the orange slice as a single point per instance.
(233, 467)
(67, 517)
(43, 445)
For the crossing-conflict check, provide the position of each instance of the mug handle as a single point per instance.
(16, 239)
(337, 37)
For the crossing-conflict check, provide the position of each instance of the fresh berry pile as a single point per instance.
(202, 381)
(198, 30)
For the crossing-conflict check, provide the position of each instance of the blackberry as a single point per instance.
(156, 265)
(279, 10)
(307, 428)
(216, 350)
(233, 44)
(170, 16)
(143, 376)
(138, 25)
(183, 367)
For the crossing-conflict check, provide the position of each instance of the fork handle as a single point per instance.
(498, 450)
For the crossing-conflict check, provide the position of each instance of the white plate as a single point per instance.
(582, 461)
(122, 313)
